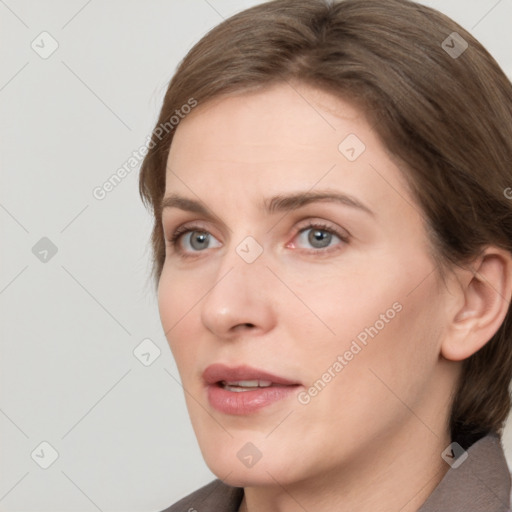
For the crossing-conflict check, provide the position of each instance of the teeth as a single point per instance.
(247, 384)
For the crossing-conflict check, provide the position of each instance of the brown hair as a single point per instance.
(446, 117)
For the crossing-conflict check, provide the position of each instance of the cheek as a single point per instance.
(166, 303)
(176, 300)
(389, 316)
(339, 306)
(398, 340)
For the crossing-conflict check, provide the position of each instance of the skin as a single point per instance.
(372, 438)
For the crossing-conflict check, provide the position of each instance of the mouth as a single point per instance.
(243, 390)
(245, 385)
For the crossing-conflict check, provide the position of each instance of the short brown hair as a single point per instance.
(446, 118)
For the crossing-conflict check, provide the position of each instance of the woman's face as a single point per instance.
(334, 302)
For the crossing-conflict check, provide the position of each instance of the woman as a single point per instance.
(332, 250)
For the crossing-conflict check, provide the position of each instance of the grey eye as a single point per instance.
(198, 240)
(319, 238)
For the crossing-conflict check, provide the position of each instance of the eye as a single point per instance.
(320, 236)
(192, 239)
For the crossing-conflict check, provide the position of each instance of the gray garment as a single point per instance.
(480, 484)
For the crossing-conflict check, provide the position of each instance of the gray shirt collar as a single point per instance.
(480, 484)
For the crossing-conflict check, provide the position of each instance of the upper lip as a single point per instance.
(220, 372)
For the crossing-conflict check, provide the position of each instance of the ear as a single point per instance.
(485, 292)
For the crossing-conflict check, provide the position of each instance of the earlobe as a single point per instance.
(486, 292)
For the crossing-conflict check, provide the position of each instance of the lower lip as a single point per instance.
(247, 402)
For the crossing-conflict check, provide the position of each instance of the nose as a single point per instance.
(240, 299)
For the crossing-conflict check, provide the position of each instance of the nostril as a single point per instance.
(246, 325)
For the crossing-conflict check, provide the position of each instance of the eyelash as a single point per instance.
(173, 241)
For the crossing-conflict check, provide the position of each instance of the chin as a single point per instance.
(246, 477)
(243, 465)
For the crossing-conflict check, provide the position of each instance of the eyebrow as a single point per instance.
(278, 203)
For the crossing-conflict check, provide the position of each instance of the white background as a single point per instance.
(69, 326)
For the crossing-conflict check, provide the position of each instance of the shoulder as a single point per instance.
(213, 497)
(480, 481)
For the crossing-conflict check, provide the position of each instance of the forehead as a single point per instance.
(278, 139)
(287, 119)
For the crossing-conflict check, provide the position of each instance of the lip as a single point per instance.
(218, 372)
(244, 402)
